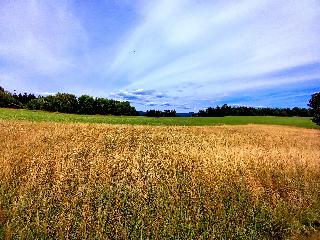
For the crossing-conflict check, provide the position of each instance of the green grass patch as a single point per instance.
(22, 114)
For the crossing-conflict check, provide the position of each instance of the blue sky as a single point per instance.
(164, 54)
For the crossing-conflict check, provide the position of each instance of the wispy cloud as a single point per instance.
(221, 45)
(148, 98)
(141, 95)
(41, 43)
(40, 36)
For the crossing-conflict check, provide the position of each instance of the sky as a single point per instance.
(164, 54)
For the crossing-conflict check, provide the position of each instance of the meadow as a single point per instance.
(100, 181)
(22, 114)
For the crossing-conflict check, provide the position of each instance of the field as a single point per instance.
(11, 114)
(91, 181)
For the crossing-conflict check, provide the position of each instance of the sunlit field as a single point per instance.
(41, 116)
(97, 181)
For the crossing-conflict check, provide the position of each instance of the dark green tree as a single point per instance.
(101, 106)
(86, 104)
(61, 102)
(124, 108)
(34, 104)
(66, 103)
(169, 113)
(24, 98)
(314, 104)
(7, 100)
(154, 113)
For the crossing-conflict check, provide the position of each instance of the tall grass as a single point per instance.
(86, 181)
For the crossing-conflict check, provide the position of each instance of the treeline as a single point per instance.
(226, 110)
(66, 103)
(69, 103)
(8, 100)
(157, 113)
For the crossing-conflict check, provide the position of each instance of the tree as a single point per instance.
(101, 106)
(86, 104)
(314, 104)
(158, 113)
(24, 98)
(170, 113)
(154, 113)
(66, 103)
(7, 100)
(34, 104)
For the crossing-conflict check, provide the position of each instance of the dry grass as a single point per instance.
(118, 182)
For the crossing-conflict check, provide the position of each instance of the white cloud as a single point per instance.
(40, 36)
(45, 93)
(211, 42)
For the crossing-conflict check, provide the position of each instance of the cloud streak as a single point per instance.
(40, 36)
(223, 45)
(42, 42)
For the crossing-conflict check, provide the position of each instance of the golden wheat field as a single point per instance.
(90, 181)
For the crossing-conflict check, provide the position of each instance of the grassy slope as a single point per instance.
(12, 114)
